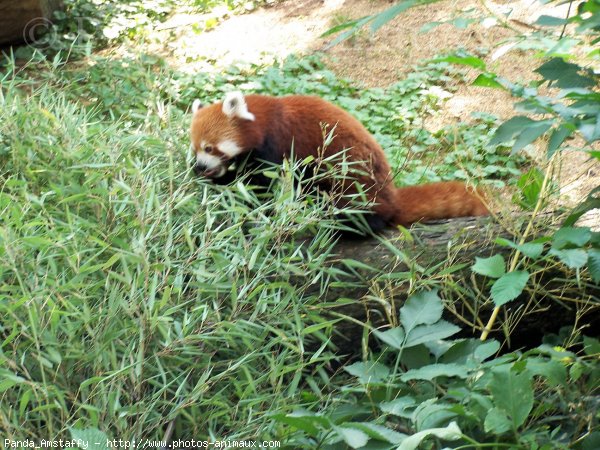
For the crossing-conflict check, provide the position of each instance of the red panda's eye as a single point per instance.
(208, 149)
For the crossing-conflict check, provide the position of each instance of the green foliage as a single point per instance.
(490, 267)
(512, 393)
(86, 25)
(95, 439)
(575, 247)
(394, 115)
(529, 189)
(509, 286)
(132, 293)
(591, 202)
(449, 389)
(574, 109)
(375, 21)
(508, 403)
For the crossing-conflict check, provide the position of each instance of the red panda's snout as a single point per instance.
(213, 161)
(214, 134)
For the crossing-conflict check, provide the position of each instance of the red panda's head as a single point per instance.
(216, 134)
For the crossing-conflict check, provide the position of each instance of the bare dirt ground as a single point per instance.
(294, 26)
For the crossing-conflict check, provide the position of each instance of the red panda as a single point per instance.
(267, 128)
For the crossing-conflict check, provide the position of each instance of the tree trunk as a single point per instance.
(444, 251)
(22, 21)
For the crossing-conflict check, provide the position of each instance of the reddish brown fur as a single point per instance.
(298, 119)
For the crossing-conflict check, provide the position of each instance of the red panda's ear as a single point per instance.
(235, 105)
(196, 106)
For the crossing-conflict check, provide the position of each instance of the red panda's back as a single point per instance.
(301, 119)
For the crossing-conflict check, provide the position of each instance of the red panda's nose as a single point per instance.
(199, 168)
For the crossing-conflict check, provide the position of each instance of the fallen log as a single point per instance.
(24, 20)
(383, 271)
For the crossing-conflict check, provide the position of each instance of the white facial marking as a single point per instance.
(196, 106)
(234, 105)
(229, 148)
(210, 161)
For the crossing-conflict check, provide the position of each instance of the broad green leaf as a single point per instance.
(576, 236)
(496, 422)
(553, 370)
(487, 80)
(416, 356)
(513, 394)
(430, 414)
(438, 348)
(401, 407)
(353, 437)
(591, 202)
(591, 22)
(306, 421)
(594, 264)
(530, 134)
(470, 351)
(590, 128)
(369, 372)
(530, 187)
(305, 424)
(591, 346)
(450, 433)
(424, 307)
(493, 267)
(530, 249)
(436, 370)
(428, 333)
(94, 438)
(550, 21)
(523, 129)
(315, 417)
(558, 136)
(394, 337)
(510, 129)
(377, 431)
(472, 61)
(556, 352)
(486, 349)
(574, 258)
(566, 75)
(509, 286)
